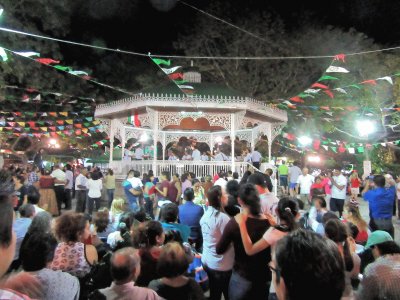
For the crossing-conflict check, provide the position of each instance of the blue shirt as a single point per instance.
(20, 227)
(190, 215)
(381, 202)
(184, 230)
(127, 187)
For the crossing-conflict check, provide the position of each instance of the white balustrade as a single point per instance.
(200, 168)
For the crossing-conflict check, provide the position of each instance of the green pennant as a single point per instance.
(160, 61)
(327, 77)
(360, 149)
(180, 81)
(41, 123)
(305, 95)
(356, 86)
(334, 149)
(62, 68)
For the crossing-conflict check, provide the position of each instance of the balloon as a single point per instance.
(163, 5)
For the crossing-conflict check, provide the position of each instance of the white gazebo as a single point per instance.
(167, 115)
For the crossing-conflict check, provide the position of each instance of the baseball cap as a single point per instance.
(378, 237)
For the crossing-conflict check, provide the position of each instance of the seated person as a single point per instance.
(36, 256)
(125, 268)
(169, 218)
(172, 266)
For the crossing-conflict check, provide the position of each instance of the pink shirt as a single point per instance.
(327, 185)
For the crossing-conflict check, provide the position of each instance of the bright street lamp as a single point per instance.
(305, 140)
(365, 127)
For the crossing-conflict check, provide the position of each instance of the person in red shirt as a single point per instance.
(355, 183)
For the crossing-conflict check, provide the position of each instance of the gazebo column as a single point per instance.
(164, 146)
(233, 116)
(252, 139)
(155, 140)
(123, 142)
(112, 133)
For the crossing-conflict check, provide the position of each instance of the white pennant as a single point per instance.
(387, 78)
(171, 70)
(333, 69)
(186, 87)
(78, 73)
(325, 147)
(37, 98)
(329, 113)
(312, 91)
(351, 150)
(383, 144)
(340, 90)
(28, 53)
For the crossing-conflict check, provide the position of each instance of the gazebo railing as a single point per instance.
(200, 168)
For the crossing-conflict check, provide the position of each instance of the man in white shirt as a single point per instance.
(59, 184)
(69, 176)
(256, 158)
(339, 191)
(294, 173)
(128, 154)
(80, 191)
(125, 269)
(135, 181)
(196, 155)
(304, 181)
(139, 153)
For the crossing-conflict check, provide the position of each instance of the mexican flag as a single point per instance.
(134, 120)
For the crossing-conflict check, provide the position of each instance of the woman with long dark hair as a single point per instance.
(218, 266)
(250, 277)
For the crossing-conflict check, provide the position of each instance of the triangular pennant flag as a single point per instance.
(25, 98)
(176, 77)
(78, 73)
(325, 147)
(360, 149)
(63, 113)
(78, 125)
(340, 57)
(355, 86)
(297, 99)
(312, 91)
(60, 122)
(22, 124)
(160, 61)
(3, 54)
(37, 98)
(334, 149)
(351, 150)
(27, 53)
(329, 93)
(53, 114)
(171, 70)
(371, 82)
(90, 119)
(47, 61)
(186, 87)
(69, 121)
(327, 77)
(319, 85)
(43, 128)
(387, 78)
(333, 69)
(340, 90)
(63, 68)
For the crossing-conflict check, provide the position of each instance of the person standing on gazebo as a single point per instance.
(139, 153)
(256, 158)
(196, 155)
(128, 154)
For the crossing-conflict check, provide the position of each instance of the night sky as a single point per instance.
(136, 25)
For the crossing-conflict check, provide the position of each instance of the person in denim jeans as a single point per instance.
(109, 184)
(132, 194)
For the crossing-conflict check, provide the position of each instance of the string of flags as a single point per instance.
(10, 115)
(52, 63)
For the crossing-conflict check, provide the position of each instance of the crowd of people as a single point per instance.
(176, 236)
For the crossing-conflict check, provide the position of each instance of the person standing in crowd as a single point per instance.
(326, 183)
(109, 184)
(171, 267)
(250, 278)
(148, 195)
(36, 254)
(81, 190)
(283, 172)
(293, 175)
(21, 191)
(381, 278)
(339, 183)
(355, 183)
(256, 158)
(69, 176)
(72, 255)
(163, 186)
(139, 152)
(47, 195)
(132, 193)
(175, 190)
(352, 215)
(186, 180)
(33, 177)
(307, 266)
(196, 155)
(38, 159)
(190, 215)
(304, 181)
(125, 269)
(268, 200)
(398, 196)
(218, 266)
(94, 186)
(169, 220)
(380, 202)
(59, 185)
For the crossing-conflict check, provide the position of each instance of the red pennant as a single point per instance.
(325, 108)
(47, 61)
(371, 82)
(31, 124)
(78, 132)
(60, 122)
(136, 120)
(175, 76)
(297, 99)
(316, 144)
(342, 149)
(52, 128)
(78, 125)
(52, 113)
(329, 93)
(340, 57)
(319, 85)
(86, 77)
(32, 90)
